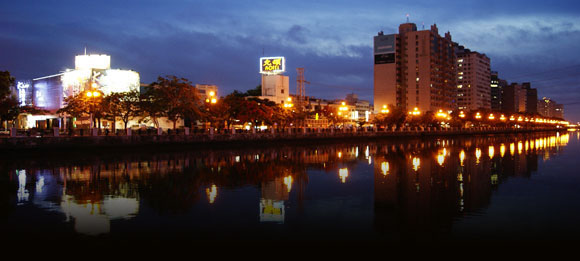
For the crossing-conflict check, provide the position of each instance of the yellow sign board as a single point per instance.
(272, 65)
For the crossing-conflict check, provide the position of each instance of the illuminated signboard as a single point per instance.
(93, 61)
(272, 65)
(384, 49)
(23, 90)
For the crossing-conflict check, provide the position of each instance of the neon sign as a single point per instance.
(272, 65)
(22, 86)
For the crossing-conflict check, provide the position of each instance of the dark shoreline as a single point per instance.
(168, 143)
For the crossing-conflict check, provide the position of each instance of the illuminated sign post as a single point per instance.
(272, 65)
(22, 90)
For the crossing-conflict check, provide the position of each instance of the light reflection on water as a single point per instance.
(406, 189)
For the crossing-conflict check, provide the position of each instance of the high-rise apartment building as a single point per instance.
(414, 69)
(497, 85)
(473, 80)
(550, 108)
(531, 98)
(520, 98)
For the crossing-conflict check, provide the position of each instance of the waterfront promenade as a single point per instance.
(57, 139)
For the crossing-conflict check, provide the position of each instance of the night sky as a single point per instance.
(220, 42)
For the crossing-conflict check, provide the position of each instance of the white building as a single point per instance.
(275, 85)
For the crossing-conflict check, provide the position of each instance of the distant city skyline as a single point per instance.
(220, 42)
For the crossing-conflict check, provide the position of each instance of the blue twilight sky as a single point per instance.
(220, 42)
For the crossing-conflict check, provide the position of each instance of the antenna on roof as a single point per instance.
(423, 24)
(407, 15)
(85, 50)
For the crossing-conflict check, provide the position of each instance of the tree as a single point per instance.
(75, 106)
(124, 105)
(150, 106)
(81, 105)
(254, 92)
(178, 97)
(396, 116)
(8, 101)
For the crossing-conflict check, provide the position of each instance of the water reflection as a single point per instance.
(418, 187)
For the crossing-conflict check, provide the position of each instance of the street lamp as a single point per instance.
(415, 111)
(385, 109)
(92, 95)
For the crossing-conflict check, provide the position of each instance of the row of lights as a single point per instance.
(479, 116)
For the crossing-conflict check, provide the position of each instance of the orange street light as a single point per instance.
(415, 111)
(502, 118)
(385, 109)
(441, 114)
(93, 94)
(478, 115)
(491, 117)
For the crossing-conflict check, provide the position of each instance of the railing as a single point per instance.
(362, 131)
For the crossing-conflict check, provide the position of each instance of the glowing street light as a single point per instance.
(385, 109)
(415, 111)
(502, 118)
(478, 115)
(441, 114)
(288, 104)
(461, 114)
(491, 116)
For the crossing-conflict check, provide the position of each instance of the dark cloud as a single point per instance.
(220, 42)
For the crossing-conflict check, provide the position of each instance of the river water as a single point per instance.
(503, 188)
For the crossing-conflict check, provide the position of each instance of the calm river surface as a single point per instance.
(483, 188)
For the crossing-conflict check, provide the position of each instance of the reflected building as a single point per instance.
(418, 194)
(418, 187)
(274, 194)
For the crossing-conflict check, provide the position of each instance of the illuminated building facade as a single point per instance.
(207, 92)
(497, 86)
(49, 92)
(473, 80)
(91, 71)
(550, 108)
(520, 98)
(275, 86)
(414, 69)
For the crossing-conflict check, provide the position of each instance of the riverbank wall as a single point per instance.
(8, 144)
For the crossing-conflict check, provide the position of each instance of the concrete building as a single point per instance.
(363, 108)
(473, 80)
(497, 85)
(531, 98)
(520, 98)
(207, 92)
(550, 108)
(414, 69)
(275, 88)
(91, 72)
(275, 85)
